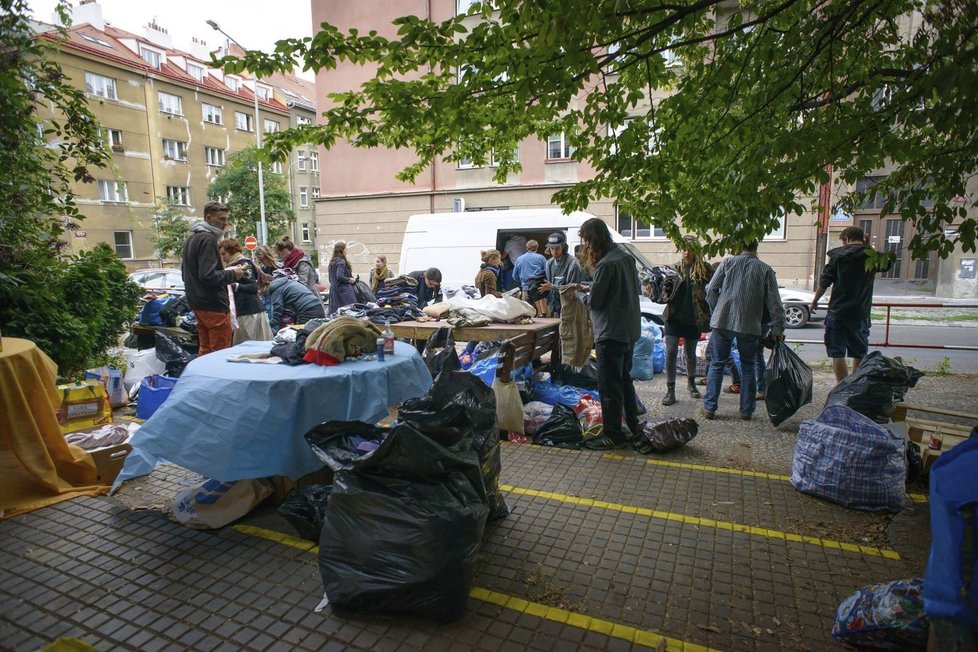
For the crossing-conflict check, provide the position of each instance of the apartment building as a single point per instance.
(171, 122)
(362, 203)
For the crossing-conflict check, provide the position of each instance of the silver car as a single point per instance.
(159, 280)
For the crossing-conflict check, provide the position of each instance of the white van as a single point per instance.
(452, 242)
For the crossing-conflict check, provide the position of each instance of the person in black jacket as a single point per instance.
(847, 322)
(248, 307)
(429, 285)
(206, 281)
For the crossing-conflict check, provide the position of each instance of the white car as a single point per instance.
(797, 308)
(159, 280)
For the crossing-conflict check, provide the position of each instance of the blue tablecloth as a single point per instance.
(234, 421)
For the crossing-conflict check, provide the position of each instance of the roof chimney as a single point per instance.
(158, 35)
(88, 11)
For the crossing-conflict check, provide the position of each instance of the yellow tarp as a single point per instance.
(37, 466)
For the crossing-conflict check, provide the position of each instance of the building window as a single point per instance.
(212, 114)
(301, 159)
(631, 228)
(113, 191)
(179, 195)
(172, 104)
(264, 92)
(271, 126)
(559, 148)
(123, 244)
(174, 149)
(493, 162)
(242, 121)
(100, 86)
(777, 233)
(315, 192)
(276, 167)
(114, 138)
(305, 232)
(214, 156)
(195, 71)
(303, 196)
(233, 83)
(874, 201)
(314, 161)
(151, 57)
(303, 120)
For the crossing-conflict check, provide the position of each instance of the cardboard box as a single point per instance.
(109, 461)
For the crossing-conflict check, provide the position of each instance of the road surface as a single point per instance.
(925, 359)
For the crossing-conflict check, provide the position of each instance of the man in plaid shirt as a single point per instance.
(738, 294)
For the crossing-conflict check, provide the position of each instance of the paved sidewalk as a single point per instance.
(601, 552)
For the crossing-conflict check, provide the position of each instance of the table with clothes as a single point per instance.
(234, 420)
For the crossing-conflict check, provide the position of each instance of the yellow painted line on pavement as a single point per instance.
(705, 522)
(563, 616)
(917, 498)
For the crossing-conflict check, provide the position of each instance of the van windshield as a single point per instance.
(641, 262)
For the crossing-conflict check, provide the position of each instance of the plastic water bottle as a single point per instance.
(388, 339)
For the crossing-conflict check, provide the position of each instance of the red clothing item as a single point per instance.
(213, 330)
(292, 260)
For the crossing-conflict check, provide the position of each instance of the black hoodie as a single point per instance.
(852, 294)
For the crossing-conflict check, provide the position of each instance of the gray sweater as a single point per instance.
(614, 298)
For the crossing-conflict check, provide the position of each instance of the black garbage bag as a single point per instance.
(174, 308)
(459, 411)
(403, 524)
(665, 436)
(586, 378)
(439, 353)
(915, 461)
(171, 352)
(305, 509)
(788, 383)
(562, 429)
(362, 292)
(875, 386)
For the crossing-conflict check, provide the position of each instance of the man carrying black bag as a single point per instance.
(788, 383)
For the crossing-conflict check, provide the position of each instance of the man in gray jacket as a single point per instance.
(742, 289)
(206, 281)
(615, 317)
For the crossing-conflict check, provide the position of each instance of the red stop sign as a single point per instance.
(251, 243)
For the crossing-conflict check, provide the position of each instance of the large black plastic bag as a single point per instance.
(439, 352)
(459, 411)
(170, 352)
(875, 386)
(305, 509)
(362, 292)
(586, 378)
(665, 436)
(561, 430)
(788, 383)
(403, 524)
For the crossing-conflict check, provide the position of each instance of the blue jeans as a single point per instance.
(747, 345)
(759, 367)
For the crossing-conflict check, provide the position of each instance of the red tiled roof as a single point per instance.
(117, 52)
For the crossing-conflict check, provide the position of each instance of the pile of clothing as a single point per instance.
(336, 340)
(398, 291)
(407, 311)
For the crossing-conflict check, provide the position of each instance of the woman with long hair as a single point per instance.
(251, 316)
(687, 315)
(615, 317)
(379, 273)
(341, 279)
(487, 280)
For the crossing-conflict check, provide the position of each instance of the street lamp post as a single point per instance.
(263, 228)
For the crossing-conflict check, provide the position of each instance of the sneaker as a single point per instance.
(745, 417)
(733, 389)
(604, 443)
(694, 393)
(709, 416)
(760, 396)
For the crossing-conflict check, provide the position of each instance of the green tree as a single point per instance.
(712, 115)
(172, 226)
(72, 307)
(238, 183)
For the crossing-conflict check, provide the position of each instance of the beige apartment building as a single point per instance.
(362, 203)
(171, 122)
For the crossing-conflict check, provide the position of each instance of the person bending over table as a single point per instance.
(288, 294)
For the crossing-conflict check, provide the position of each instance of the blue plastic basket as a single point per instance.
(152, 392)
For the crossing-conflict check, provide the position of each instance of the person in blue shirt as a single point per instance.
(530, 272)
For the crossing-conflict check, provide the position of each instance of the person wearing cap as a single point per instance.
(562, 269)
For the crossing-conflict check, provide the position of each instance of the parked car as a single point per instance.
(797, 312)
(159, 280)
